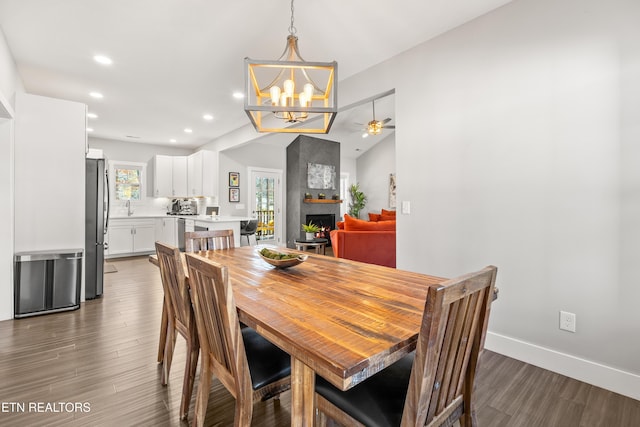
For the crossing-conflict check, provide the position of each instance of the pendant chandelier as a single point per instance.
(271, 101)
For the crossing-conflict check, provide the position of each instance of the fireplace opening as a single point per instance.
(326, 222)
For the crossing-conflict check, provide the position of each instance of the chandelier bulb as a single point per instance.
(302, 98)
(289, 86)
(283, 99)
(308, 90)
(275, 94)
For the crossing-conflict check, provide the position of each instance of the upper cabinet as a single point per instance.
(170, 176)
(202, 173)
(186, 176)
(180, 187)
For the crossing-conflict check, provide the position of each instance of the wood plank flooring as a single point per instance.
(97, 366)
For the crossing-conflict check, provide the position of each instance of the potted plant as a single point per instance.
(310, 230)
(321, 196)
(358, 200)
(336, 197)
(307, 196)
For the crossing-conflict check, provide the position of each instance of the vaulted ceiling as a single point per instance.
(176, 60)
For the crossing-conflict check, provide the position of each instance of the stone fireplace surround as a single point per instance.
(303, 150)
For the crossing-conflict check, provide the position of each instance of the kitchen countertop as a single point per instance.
(201, 218)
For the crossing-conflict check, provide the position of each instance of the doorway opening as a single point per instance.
(266, 203)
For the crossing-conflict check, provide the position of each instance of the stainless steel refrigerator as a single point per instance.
(97, 224)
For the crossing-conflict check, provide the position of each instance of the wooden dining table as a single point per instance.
(341, 319)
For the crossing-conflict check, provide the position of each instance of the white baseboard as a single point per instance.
(596, 374)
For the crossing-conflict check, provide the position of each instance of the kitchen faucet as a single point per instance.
(129, 211)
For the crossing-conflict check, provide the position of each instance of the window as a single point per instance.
(128, 179)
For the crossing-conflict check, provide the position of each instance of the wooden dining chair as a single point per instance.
(432, 386)
(195, 241)
(179, 319)
(248, 365)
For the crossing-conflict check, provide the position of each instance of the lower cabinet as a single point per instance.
(167, 231)
(131, 236)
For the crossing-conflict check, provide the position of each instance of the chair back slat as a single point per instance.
(177, 298)
(195, 241)
(218, 324)
(450, 340)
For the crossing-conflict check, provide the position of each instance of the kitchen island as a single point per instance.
(219, 222)
(136, 234)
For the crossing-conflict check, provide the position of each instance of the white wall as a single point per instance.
(6, 219)
(374, 167)
(49, 174)
(134, 152)
(516, 144)
(10, 84)
(238, 160)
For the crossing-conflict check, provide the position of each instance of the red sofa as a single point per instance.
(372, 242)
(373, 247)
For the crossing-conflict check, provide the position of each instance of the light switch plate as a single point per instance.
(406, 207)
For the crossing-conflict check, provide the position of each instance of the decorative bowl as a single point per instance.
(286, 262)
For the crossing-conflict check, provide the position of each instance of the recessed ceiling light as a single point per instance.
(173, 141)
(101, 59)
(207, 117)
(92, 115)
(89, 129)
(187, 130)
(238, 95)
(96, 95)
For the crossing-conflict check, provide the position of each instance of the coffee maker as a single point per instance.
(182, 207)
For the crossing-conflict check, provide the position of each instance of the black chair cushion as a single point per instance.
(376, 402)
(267, 363)
(250, 228)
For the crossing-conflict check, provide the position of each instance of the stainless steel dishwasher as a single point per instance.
(184, 225)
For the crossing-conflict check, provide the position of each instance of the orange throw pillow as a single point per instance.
(340, 225)
(374, 217)
(355, 224)
(385, 212)
(387, 218)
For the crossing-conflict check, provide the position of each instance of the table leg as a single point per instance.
(303, 381)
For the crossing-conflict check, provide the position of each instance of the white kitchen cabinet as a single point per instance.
(202, 174)
(163, 176)
(180, 188)
(167, 231)
(131, 236)
(170, 176)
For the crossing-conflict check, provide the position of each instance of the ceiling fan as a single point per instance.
(374, 127)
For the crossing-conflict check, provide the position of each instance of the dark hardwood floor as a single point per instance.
(97, 366)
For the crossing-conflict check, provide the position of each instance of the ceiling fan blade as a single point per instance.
(389, 127)
(387, 120)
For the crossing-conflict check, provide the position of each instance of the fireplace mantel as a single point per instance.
(322, 201)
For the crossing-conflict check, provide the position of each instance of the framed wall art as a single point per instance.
(234, 195)
(234, 179)
(321, 177)
(392, 190)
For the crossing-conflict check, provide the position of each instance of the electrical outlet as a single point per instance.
(567, 321)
